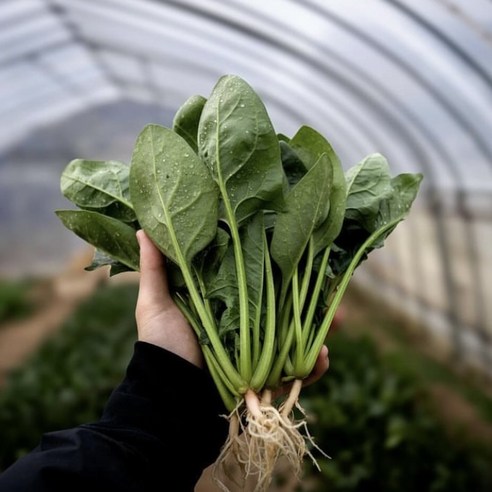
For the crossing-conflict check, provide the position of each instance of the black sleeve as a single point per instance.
(161, 427)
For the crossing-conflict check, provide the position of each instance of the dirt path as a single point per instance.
(59, 297)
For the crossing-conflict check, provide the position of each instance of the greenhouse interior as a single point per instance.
(406, 403)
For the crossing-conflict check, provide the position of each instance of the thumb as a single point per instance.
(153, 286)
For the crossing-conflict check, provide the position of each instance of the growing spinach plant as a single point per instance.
(263, 232)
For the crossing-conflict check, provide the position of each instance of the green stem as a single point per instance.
(212, 361)
(308, 320)
(188, 312)
(234, 381)
(273, 380)
(289, 366)
(334, 283)
(268, 350)
(330, 313)
(206, 301)
(299, 347)
(226, 396)
(256, 328)
(285, 322)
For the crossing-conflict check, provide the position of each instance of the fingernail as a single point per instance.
(138, 236)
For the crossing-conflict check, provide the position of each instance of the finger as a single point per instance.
(153, 279)
(320, 367)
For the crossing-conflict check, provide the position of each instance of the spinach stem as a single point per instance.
(308, 320)
(210, 329)
(284, 325)
(257, 322)
(298, 349)
(330, 313)
(206, 301)
(213, 366)
(268, 349)
(273, 380)
(209, 356)
(289, 366)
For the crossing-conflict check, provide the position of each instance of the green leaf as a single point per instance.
(111, 236)
(173, 194)
(307, 206)
(294, 168)
(374, 200)
(309, 145)
(397, 203)
(100, 186)
(186, 119)
(101, 260)
(237, 142)
(368, 183)
(209, 261)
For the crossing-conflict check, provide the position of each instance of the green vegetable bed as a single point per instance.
(372, 420)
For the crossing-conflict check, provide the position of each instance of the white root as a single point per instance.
(260, 434)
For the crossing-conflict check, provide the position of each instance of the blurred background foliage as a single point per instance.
(373, 413)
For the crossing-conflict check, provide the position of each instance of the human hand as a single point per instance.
(159, 320)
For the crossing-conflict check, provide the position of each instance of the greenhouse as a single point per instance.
(406, 401)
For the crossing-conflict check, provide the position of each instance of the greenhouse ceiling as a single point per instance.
(412, 79)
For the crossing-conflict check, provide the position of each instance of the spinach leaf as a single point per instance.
(374, 200)
(111, 236)
(101, 259)
(208, 262)
(237, 142)
(173, 194)
(294, 168)
(368, 183)
(100, 186)
(309, 145)
(307, 206)
(186, 119)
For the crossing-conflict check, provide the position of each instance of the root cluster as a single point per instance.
(260, 434)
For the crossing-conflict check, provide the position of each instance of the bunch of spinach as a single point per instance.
(262, 232)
